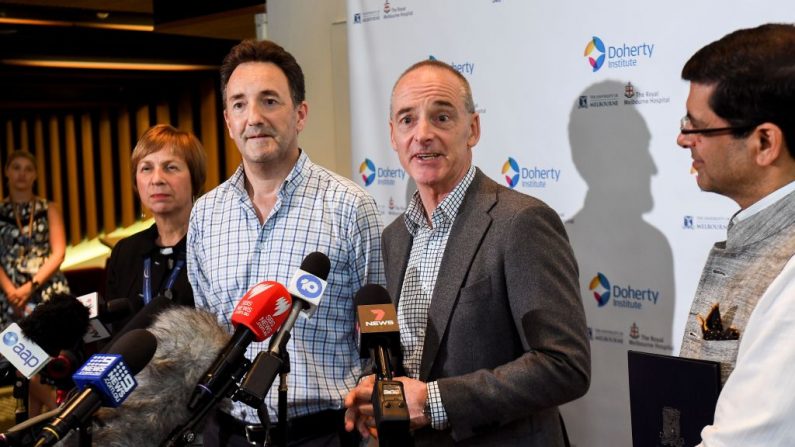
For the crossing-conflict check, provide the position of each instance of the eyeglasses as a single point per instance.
(686, 128)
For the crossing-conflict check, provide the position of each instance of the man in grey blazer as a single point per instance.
(491, 321)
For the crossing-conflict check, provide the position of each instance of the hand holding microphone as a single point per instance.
(379, 338)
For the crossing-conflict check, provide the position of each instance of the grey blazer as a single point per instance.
(506, 336)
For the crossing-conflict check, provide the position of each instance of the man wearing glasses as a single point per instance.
(740, 129)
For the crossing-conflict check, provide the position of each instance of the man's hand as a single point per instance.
(360, 409)
(416, 394)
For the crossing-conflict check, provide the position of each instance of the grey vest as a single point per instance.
(737, 273)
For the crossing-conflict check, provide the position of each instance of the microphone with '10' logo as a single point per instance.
(308, 283)
(306, 287)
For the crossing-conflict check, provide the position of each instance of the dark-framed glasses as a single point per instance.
(686, 128)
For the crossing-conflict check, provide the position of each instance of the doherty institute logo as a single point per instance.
(510, 170)
(625, 55)
(380, 175)
(625, 296)
(595, 52)
(528, 177)
(600, 286)
(367, 171)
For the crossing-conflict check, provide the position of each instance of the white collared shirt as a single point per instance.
(757, 404)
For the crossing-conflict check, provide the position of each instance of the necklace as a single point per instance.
(26, 240)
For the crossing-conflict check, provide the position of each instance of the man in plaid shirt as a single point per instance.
(261, 223)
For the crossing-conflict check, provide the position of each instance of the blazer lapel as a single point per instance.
(399, 251)
(468, 231)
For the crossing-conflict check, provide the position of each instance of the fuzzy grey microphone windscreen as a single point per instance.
(188, 340)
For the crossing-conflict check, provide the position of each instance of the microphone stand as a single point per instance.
(25, 433)
(20, 393)
(389, 404)
(84, 432)
(283, 372)
(276, 360)
(261, 376)
(185, 434)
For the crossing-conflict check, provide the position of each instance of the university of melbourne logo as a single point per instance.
(367, 170)
(696, 223)
(510, 170)
(600, 286)
(595, 52)
(366, 16)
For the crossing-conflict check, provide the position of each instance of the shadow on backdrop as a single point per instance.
(625, 263)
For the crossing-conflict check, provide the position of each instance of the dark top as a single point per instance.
(24, 248)
(126, 270)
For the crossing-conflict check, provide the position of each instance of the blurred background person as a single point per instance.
(32, 250)
(33, 243)
(169, 167)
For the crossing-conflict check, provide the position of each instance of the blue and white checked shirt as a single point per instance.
(229, 251)
(427, 251)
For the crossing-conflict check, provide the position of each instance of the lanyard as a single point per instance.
(26, 240)
(148, 278)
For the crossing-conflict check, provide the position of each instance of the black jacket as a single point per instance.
(125, 270)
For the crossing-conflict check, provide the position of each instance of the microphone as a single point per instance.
(257, 316)
(143, 318)
(379, 336)
(56, 324)
(114, 310)
(25, 432)
(104, 379)
(21, 352)
(102, 313)
(58, 371)
(188, 341)
(309, 282)
(108, 311)
(306, 288)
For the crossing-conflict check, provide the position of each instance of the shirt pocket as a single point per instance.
(723, 351)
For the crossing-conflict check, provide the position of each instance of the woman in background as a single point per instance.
(169, 167)
(32, 243)
(32, 248)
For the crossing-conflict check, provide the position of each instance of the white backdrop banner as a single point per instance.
(580, 106)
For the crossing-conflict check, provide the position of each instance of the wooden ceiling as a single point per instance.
(35, 33)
